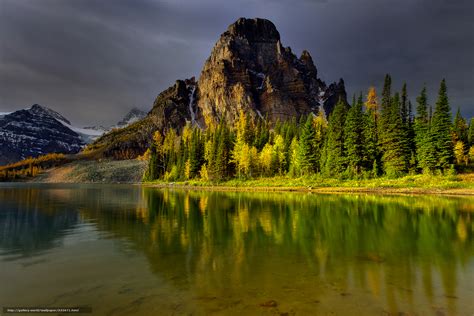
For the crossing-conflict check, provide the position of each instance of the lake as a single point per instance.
(132, 250)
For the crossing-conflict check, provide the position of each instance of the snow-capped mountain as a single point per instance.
(39, 130)
(132, 116)
(91, 133)
(35, 131)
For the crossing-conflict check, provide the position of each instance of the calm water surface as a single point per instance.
(128, 250)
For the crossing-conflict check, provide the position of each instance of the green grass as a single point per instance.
(464, 181)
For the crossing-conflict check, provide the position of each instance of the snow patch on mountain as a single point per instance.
(91, 133)
(38, 130)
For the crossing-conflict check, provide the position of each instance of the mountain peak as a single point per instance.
(249, 69)
(132, 116)
(254, 30)
(42, 110)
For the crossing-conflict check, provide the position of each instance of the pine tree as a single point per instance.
(386, 94)
(386, 103)
(441, 129)
(371, 130)
(460, 138)
(306, 152)
(471, 133)
(354, 141)
(411, 138)
(407, 140)
(404, 112)
(334, 156)
(393, 158)
(195, 153)
(460, 130)
(424, 153)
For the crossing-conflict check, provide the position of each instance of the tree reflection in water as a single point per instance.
(410, 253)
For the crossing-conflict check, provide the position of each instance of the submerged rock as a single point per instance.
(270, 303)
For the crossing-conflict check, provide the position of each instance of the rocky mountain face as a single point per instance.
(36, 131)
(249, 69)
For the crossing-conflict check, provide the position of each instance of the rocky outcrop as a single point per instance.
(249, 69)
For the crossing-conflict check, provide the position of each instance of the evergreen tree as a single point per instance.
(424, 150)
(371, 132)
(394, 159)
(470, 135)
(406, 127)
(404, 112)
(441, 129)
(411, 138)
(306, 148)
(354, 141)
(294, 169)
(387, 95)
(385, 112)
(460, 138)
(195, 153)
(334, 146)
(461, 129)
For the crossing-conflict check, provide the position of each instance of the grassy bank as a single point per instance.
(415, 184)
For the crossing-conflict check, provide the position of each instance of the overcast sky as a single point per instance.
(92, 60)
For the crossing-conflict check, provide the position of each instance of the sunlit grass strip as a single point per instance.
(428, 182)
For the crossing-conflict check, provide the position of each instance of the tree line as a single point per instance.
(31, 167)
(367, 139)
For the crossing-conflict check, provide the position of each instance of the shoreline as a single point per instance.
(320, 190)
(281, 189)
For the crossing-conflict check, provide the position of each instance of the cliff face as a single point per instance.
(249, 69)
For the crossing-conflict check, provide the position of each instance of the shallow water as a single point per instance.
(128, 250)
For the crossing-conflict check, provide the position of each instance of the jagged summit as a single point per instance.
(254, 30)
(42, 110)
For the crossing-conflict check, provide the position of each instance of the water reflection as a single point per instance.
(384, 253)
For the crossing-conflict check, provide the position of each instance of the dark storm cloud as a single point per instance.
(93, 60)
